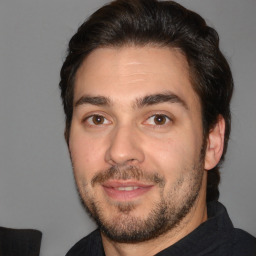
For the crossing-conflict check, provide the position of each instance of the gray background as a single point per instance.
(36, 182)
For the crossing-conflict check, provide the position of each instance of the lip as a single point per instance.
(125, 190)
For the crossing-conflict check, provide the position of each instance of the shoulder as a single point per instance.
(89, 245)
(243, 243)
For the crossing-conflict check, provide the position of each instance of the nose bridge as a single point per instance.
(124, 145)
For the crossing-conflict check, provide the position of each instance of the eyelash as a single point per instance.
(95, 116)
(167, 119)
(91, 123)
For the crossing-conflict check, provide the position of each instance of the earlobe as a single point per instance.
(215, 144)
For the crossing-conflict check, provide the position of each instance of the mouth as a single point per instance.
(125, 190)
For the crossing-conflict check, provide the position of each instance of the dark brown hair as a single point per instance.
(163, 24)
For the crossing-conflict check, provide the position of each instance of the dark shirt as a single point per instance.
(20, 242)
(215, 237)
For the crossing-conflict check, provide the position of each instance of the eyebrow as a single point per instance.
(96, 100)
(158, 98)
(152, 99)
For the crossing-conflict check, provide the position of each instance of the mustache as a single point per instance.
(127, 172)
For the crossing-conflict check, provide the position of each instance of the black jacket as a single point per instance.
(19, 242)
(215, 237)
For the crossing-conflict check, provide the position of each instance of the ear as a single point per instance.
(215, 144)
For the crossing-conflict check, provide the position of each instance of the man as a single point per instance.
(146, 93)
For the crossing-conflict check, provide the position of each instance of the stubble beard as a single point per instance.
(165, 215)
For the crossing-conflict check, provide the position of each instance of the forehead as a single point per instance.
(128, 72)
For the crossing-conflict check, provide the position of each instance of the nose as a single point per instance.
(125, 147)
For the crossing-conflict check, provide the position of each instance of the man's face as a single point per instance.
(136, 141)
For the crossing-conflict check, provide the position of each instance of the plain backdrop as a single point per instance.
(36, 182)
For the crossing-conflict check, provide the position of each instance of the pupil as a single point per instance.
(160, 119)
(97, 120)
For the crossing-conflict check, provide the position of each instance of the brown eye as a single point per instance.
(97, 120)
(160, 119)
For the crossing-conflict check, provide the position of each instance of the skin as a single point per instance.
(163, 138)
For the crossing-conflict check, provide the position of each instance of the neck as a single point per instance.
(196, 216)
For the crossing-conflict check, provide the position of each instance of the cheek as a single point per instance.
(86, 153)
(162, 155)
(174, 154)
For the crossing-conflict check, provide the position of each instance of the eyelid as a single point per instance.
(152, 115)
(92, 114)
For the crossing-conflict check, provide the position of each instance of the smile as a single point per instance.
(126, 188)
(125, 191)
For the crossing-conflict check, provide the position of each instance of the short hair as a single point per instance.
(163, 24)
